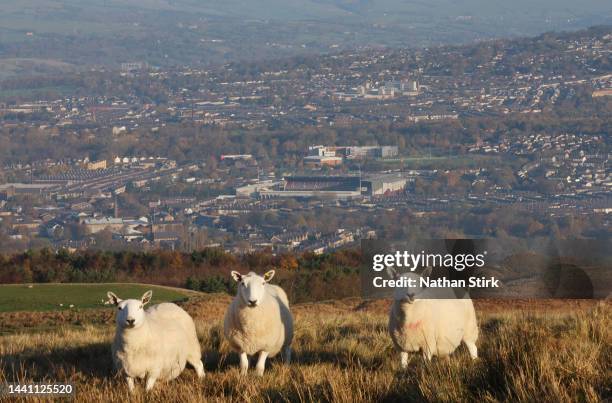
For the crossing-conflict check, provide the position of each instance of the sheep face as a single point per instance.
(252, 287)
(410, 294)
(130, 312)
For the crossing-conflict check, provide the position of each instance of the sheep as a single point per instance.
(153, 344)
(258, 320)
(431, 320)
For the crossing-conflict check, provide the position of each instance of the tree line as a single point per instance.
(305, 276)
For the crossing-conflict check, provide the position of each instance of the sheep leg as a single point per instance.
(150, 382)
(244, 363)
(130, 382)
(199, 367)
(287, 354)
(197, 364)
(261, 363)
(428, 349)
(472, 349)
(404, 359)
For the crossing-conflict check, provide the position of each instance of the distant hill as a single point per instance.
(170, 32)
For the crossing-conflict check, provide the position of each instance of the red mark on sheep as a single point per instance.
(413, 325)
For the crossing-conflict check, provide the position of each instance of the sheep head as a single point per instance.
(251, 287)
(130, 312)
(409, 294)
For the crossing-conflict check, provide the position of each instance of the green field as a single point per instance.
(48, 297)
(435, 162)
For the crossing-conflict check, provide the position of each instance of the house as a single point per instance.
(95, 225)
(289, 240)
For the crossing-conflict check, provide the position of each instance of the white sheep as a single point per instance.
(258, 320)
(433, 321)
(153, 344)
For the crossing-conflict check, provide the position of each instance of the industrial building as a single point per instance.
(316, 161)
(95, 165)
(319, 156)
(94, 225)
(9, 190)
(236, 157)
(361, 152)
(334, 155)
(389, 89)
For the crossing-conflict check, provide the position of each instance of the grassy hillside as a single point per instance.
(48, 297)
(529, 351)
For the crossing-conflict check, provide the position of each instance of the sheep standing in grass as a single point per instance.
(153, 344)
(433, 321)
(258, 320)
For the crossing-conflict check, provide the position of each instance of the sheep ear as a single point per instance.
(268, 276)
(146, 298)
(236, 276)
(391, 272)
(112, 298)
(427, 272)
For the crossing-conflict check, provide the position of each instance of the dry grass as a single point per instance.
(342, 352)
